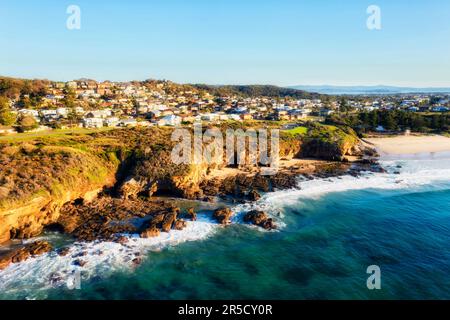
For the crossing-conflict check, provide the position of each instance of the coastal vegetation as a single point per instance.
(394, 120)
(257, 91)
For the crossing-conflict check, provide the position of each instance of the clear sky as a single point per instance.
(282, 42)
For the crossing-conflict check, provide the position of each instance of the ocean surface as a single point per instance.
(330, 231)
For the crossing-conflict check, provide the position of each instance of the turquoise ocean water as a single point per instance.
(331, 231)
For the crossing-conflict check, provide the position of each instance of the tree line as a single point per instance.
(393, 120)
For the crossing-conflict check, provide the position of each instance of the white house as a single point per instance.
(29, 112)
(128, 122)
(62, 112)
(171, 120)
(99, 114)
(111, 122)
(209, 117)
(93, 122)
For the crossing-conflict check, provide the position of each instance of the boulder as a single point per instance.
(191, 215)
(223, 215)
(79, 263)
(157, 219)
(169, 220)
(180, 224)
(254, 195)
(131, 188)
(152, 189)
(23, 253)
(39, 247)
(150, 232)
(63, 252)
(260, 218)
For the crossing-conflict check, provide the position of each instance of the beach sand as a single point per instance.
(411, 144)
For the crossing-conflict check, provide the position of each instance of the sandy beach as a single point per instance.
(411, 144)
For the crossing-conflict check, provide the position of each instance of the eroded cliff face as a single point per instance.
(29, 219)
(38, 178)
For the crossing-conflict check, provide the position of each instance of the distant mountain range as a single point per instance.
(367, 90)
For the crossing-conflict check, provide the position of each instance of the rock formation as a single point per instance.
(223, 215)
(260, 218)
(24, 252)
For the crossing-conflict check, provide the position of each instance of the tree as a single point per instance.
(69, 98)
(418, 123)
(7, 118)
(27, 123)
(24, 102)
(373, 119)
(344, 106)
(69, 103)
(389, 121)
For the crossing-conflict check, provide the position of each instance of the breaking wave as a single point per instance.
(30, 279)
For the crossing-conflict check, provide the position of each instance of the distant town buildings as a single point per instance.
(162, 103)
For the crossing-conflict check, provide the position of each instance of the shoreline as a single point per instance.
(129, 254)
(76, 219)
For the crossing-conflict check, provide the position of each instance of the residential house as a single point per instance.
(111, 122)
(130, 122)
(170, 120)
(93, 122)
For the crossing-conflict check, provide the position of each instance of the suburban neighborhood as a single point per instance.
(91, 104)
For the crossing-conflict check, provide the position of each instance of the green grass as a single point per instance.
(27, 136)
(298, 131)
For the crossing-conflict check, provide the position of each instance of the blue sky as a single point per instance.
(282, 42)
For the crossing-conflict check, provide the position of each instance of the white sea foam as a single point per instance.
(30, 278)
(408, 175)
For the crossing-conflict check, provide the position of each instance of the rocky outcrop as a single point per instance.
(23, 253)
(260, 218)
(150, 232)
(248, 186)
(38, 177)
(106, 217)
(223, 215)
(168, 221)
(29, 220)
(180, 224)
(129, 165)
(163, 221)
(330, 143)
(131, 188)
(190, 214)
(254, 195)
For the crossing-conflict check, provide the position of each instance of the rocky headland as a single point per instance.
(105, 185)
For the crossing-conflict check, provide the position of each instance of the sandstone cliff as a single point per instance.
(38, 176)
